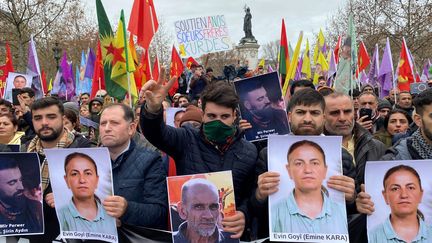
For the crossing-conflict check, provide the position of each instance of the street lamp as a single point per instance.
(57, 52)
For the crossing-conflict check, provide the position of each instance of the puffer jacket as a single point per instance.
(139, 177)
(193, 154)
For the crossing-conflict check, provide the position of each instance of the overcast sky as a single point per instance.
(306, 15)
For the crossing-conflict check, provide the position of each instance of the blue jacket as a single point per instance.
(139, 177)
(193, 154)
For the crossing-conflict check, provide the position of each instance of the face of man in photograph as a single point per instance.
(114, 130)
(339, 115)
(201, 210)
(402, 193)
(19, 82)
(81, 178)
(257, 102)
(306, 120)
(48, 123)
(11, 187)
(306, 167)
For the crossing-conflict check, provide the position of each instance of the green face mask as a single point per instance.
(216, 131)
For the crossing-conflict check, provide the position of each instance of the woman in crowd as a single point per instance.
(9, 133)
(403, 193)
(396, 122)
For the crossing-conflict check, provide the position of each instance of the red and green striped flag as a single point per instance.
(284, 58)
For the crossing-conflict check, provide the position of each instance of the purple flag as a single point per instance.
(89, 70)
(298, 74)
(363, 77)
(64, 86)
(33, 69)
(269, 68)
(385, 74)
(374, 68)
(425, 73)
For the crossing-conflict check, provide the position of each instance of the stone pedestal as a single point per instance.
(248, 54)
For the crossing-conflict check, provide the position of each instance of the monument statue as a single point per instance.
(247, 28)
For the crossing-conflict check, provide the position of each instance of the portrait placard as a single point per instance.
(81, 179)
(305, 164)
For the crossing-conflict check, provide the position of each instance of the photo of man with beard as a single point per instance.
(259, 98)
(19, 214)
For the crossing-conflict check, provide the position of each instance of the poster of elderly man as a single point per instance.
(81, 180)
(198, 204)
(306, 208)
(262, 105)
(20, 195)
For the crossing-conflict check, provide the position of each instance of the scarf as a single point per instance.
(36, 146)
(423, 148)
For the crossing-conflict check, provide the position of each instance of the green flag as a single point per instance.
(352, 34)
(106, 37)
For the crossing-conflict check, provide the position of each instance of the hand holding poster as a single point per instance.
(305, 208)
(20, 194)
(262, 105)
(81, 181)
(401, 193)
(198, 203)
(202, 35)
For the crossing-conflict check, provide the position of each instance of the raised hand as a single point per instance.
(155, 92)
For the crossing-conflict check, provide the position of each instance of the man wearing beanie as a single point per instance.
(192, 117)
(384, 107)
(95, 106)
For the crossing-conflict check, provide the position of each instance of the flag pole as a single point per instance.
(154, 33)
(127, 58)
(394, 80)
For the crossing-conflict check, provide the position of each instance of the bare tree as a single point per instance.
(161, 44)
(270, 51)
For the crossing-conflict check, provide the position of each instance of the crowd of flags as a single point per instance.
(344, 74)
(115, 66)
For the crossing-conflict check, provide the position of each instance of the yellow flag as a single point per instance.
(306, 68)
(319, 45)
(123, 62)
(321, 67)
(50, 85)
(262, 62)
(293, 65)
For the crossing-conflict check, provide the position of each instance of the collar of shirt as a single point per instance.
(294, 209)
(76, 214)
(391, 234)
(124, 154)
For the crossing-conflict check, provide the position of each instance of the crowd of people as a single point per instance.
(208, 137)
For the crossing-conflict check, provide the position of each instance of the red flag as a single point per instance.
(44, 81)
(405, 69)
(191, 61)
(5, 69)
(176, 69)
(363, 58)
(337, 48)
(143, 22)
(98, 75)
(142, 74)
(155, 72)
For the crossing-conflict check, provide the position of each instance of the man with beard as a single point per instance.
(200, 209)
(260, 114)
(15, 208)
(47, 119)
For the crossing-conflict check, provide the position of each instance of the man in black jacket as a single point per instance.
(217, 146)
(360, 144)
(47, 119)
